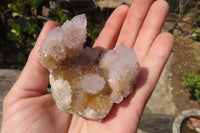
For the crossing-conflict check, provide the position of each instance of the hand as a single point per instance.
(28, 108)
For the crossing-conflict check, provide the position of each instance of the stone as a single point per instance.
(7, 78)
(86, 81)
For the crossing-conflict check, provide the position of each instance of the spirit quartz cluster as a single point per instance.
(86, 81)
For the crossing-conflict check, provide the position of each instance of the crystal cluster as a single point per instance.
(86, 81)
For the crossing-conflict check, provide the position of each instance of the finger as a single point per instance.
(133, 21)
(151, 28)
(33, 80)
(47, 27)
(151, 69)
(110, 32)
(130, 110)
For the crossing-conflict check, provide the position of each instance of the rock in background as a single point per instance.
(7, 79)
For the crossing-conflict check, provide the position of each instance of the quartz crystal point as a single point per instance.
(86, 81)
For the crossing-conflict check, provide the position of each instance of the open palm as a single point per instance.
(29, 108)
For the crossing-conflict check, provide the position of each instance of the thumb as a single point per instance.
(34, 79)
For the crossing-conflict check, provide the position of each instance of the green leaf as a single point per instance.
(190, 56)
(32, 28)
(13, 37)
(193, 82)
(10, 6)
(36, 3)
(18, 7)
(16, 27)
(57, 15)
(32, 43)
(196, 33)
(15, 34)
(198, 18)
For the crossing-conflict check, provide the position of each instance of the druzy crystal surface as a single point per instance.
(86, 81)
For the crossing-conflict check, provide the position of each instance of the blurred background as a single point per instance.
(179, 86)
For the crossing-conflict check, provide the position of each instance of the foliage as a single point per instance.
(36, 3)
(57, 15)
(15, 33)
(93, 31)
(17, 7)
(20, 7)
(25, 39)
(196, 30)
(32, 28)
(198, 18)
(22, 35)
(193, 82)
(196, 33)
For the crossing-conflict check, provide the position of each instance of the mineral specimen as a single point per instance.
(86, 81)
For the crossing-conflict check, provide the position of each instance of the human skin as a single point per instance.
(28, 108)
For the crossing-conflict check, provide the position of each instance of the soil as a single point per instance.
(185, 58)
